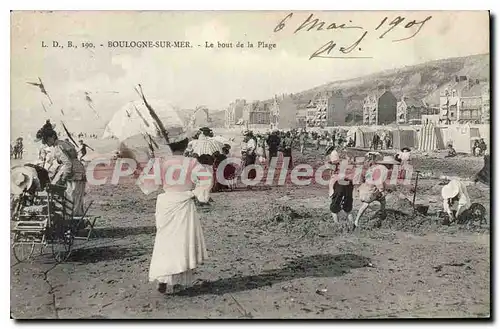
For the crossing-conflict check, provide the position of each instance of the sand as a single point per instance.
(262, 265)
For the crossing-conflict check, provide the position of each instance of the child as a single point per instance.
(451, 152)
(340, 190)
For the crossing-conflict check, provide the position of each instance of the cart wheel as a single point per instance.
(477, 214)
(61, 248)
(24, 251)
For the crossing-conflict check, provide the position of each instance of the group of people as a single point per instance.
(341, 193)
(63, 168)
(179, 245)
(382, 141)
(478, 149)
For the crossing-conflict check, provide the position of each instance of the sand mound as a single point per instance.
(312, 223)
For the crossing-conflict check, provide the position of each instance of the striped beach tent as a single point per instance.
(429, 138)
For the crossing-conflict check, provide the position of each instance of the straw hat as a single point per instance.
(21, 179)
(450, 190)
(388, 160)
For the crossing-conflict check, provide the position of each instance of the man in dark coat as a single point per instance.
(273, 142)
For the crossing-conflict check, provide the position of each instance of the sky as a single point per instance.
(214, 77)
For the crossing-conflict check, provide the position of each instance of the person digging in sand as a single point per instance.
(371, 191)
(455, 200)
(340, 189)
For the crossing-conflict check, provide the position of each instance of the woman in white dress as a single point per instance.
(179, 243)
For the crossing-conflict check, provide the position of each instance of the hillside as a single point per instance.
(423, 81)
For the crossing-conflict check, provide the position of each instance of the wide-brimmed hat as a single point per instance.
(405, 149)
(450, 190)
(21, 179)
(388, 160)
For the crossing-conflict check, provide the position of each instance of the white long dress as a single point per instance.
(179, 243)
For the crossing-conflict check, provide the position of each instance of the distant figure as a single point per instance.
(387, 142)
(286, 148)
(403, 156)
(228, 171)
(475, 148)
(273, 143)
(330, 140)
(261, 149)
(18, 148)
(248, 154)
(83, 149)
(340, 141)
(375, 141)
(482, 147)
(317, 140)
(451, 152)
(302, 141)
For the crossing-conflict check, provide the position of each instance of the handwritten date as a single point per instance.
(332, 50)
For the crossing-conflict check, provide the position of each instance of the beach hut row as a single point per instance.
(427, 138)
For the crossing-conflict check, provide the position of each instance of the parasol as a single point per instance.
(207, 146)
(134, 119)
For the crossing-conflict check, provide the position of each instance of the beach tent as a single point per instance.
(363, 136)
(404, 137)
(462, 137)
(134, 119)
(429, 138)
(484, 133)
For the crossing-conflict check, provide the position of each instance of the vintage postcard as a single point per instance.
(250, 164)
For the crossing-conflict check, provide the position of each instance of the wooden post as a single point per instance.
(415, 191)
